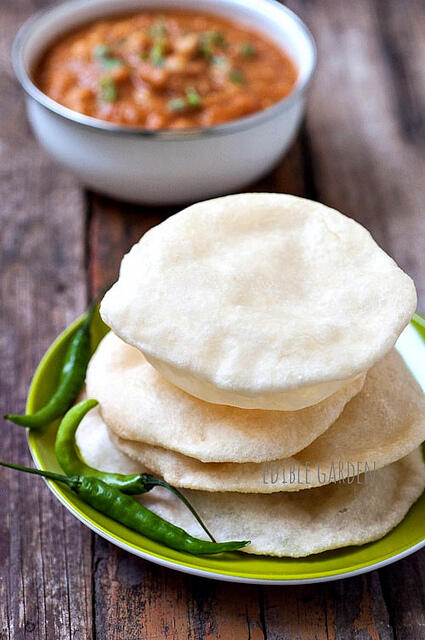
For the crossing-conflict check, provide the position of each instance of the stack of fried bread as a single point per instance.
(251, 363)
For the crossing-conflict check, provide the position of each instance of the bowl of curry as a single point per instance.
(167, 103)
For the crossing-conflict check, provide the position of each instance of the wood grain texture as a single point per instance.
(403, 586)
(136, 599)
(45, 559)
(343, 610)
(361, 151)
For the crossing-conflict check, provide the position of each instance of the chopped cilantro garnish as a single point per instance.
(247, 50)
(159, 28)
(101, 51)
(236, 77)
(219, 61)
(103, 55)
(111, 63)
(208, 40)
(109, 92)
(217, 38)
(156, 54)
(192, 97)
(176, 104)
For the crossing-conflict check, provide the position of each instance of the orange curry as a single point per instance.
(170, 70)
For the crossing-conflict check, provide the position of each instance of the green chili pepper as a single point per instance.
(127, 511)
(71, 379)
(73, 465)
(236, 77)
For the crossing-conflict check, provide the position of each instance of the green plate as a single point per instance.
(238, 567)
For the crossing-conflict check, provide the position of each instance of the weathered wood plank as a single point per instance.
(45, 554)
(291, 611)
(403, 586)
(112, 230)
(401, 36)
(343, 610)
(356, 609)
(139, 600)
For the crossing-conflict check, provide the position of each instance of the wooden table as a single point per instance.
(361, 150)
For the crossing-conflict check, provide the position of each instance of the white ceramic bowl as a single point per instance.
(163, 167)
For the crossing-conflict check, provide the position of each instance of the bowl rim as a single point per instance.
(239, 124)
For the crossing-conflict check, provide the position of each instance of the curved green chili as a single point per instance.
(127, 511)
(71, 379)
(72, 464)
